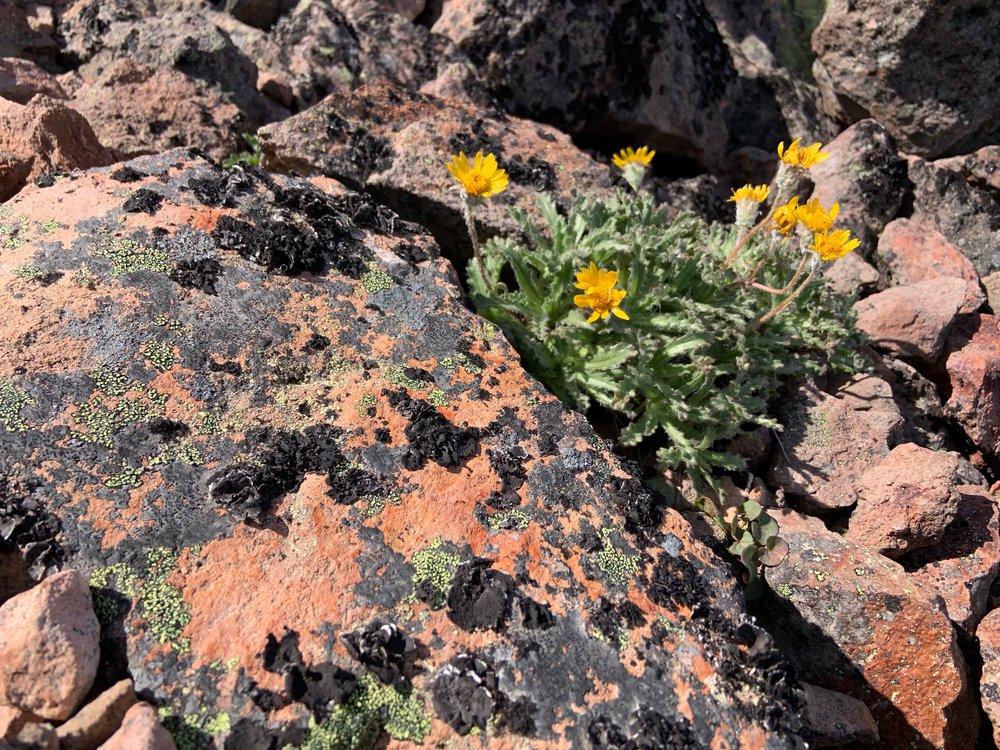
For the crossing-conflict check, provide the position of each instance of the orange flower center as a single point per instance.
(478, 184)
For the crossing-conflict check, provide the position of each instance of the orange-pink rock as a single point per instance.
(973, 366)
(49, 646)
(140, 730)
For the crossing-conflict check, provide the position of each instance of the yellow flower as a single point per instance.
(757, 193)
(630, 156)
(796, 156)
(785, 217)
(481, 179)
(833, 245)
(599, 293)
(815, 217)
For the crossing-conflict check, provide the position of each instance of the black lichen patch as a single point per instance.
(431, 435)
(277, 245)
(366, 213)
(532, 172)
(648, 729)
(127, 174)
(642, 507)
(382, 647)
(28, 527)
(464, 693)
(479, 597)
(611, 619)
(143, 200)
(508, 462)
(284, 458)
(414, 253)
(168, 429)
(202, 274)
(316, 686)
(317, 342)
(675, 581)
(228, 367)
(350, 483)
(47, 179)
(535, 615)
(222, 188)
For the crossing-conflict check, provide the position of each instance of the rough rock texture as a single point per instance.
(140, 730)
(267, 421)
(906, 501)
(851, 274)
(966, 214)
(866, 176)
(390, 141)
(606, 74)
(99, 719)
(830, 440)
(973, 365)
(912, 252)
(963, 566)
(47, 136)
(922, 88)
(833, 719)
(22, 79)
(853, 621)
(136, 109)
(913, 321)
(48, 647)
(978, 168)
(989, 686)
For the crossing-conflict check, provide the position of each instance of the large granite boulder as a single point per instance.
(317, 499)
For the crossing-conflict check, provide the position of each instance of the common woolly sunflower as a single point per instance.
(480, 179)
(833, 245)
(599, 293)
(797, 156)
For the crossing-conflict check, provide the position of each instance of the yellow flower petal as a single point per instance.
(482, 178)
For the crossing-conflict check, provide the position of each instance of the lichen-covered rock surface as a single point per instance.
(317, 499)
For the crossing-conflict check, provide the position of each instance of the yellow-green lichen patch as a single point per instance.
(12, 401)
(438, 397)
(371, 709)
(366, 402)
(129, 476)
(99, 419)
(194, 731)
(397, 376)
(127, 256)
(454, 361)
(12, 232)
(48, 226)
(160, 355)
(375, 504)
(433, 570)
(28, 272)
(514, 519)
(178, 451)
(124, 579)
(615, 564)
(376, 280)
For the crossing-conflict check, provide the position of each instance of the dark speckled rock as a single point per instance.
(352, 568)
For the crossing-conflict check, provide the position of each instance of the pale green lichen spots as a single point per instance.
(486, 330)
(821, 575)
(194, 731)
(785, 590)
(163, 607)
(458, 359)
(211, 422)
(376, 280)
(366, 402)
(127, 256)
(396, 375)
(83, 277)
(371, 709)
(615, 564)
(12, 401)
(438, 397)
(49, 226)
(12, 233)
(101, 420)
(860, 571)
(178, 451)
(109, 381)
(169, 323)
(28, 272)
(435, 568)
(129, 476)
(160, 355)
(375, 504)
(124, 577)
(514, 519)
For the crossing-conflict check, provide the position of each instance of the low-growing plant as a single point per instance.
(249, 158)
(683, 331)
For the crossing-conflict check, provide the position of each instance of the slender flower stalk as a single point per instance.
(778, 308)
(479, 179)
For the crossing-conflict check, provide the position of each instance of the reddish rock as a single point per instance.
(965, 213)
(830, 440)
(865, 176)
(14, 171)
(851, 274)
(141, 730)
(22, 79)
(964, 564)
(286, 387)
(913, 321)
(973, 366)
(992, 285)
(51, 135)
(832, 719)
(356, 10)
(912, 252)
(988, 635)
(48, 646)
(136, 109)
(906, 501)
(11, 721)
(37, 736)
(853, 621)
(980, 168)
(99, 719)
